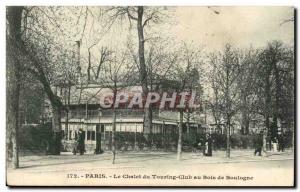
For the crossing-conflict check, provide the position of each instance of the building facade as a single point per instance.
(85, 113)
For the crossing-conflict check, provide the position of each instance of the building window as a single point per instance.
(100, 128)
(93, 135)
(88, 135)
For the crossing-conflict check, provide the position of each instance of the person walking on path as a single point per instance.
(258, 143)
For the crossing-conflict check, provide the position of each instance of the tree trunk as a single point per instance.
(98, 149)
(274, 127)
(245, 119)
(56, 127)
(267, 124)
(264, 149)
(293, 138)
(228, 108)
(228, 138)
(67, 112)
(148, 124)
(143, 71)
(268, 104)
(14, 17)
(276, 115)
(188, 122)
(89, 68)
(13, 95)
(67, 124)
(113, 139)
(179, 147)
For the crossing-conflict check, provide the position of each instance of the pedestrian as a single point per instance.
(280, 143)
(195, 147)
(208, 145)
(258, 143)
(80, 141)
(275, 144)
(75, 148)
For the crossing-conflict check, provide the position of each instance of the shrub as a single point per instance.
(35, 137)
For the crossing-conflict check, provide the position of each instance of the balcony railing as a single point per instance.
(107, 113)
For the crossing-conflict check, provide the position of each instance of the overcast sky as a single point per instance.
(242, 26)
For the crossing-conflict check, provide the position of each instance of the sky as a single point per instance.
(241, 26)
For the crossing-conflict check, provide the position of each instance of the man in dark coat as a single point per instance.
(80, 141)
(258, 143)
(281, 143)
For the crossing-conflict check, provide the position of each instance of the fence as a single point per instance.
(38, 138)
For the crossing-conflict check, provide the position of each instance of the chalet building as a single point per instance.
(85, 113)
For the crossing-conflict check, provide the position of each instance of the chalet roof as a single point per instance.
(92, 93)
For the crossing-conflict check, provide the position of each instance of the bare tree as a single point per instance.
(276, 65)
(143, 17)
(187, 74)
(214, 103)
(116, 75)
(226, 66)
(247, 86)
(104, 57)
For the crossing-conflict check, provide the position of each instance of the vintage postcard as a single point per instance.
(150, 96)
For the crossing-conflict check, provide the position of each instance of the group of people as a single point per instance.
(204, 145)
(277, 143)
